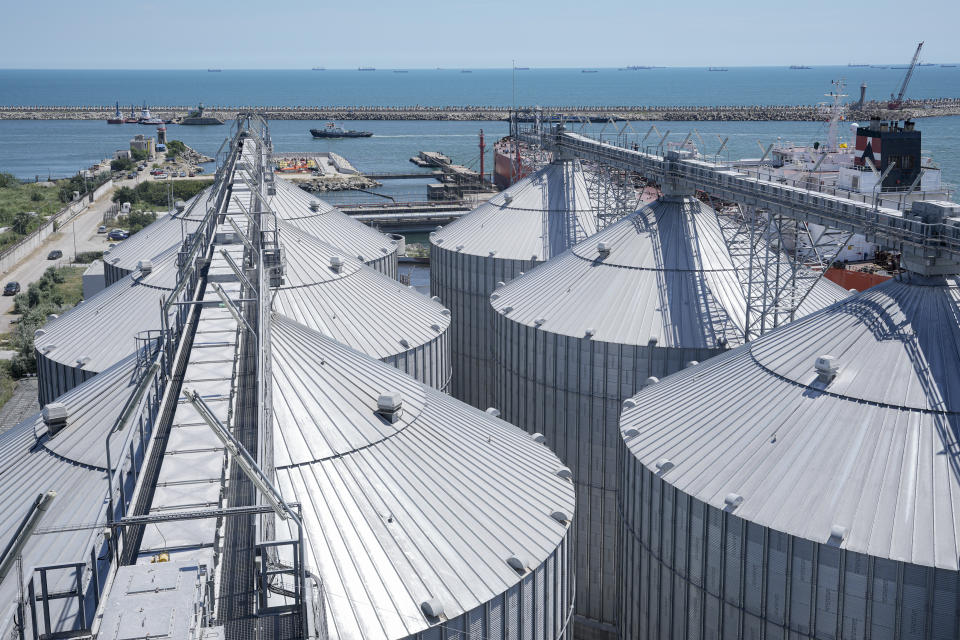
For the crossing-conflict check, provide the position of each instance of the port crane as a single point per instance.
(897, 103)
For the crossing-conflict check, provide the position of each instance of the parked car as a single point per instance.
(117, 234)
(132, 175)
(183, 174)
(56, 254)
(102, 228)
(12, 288)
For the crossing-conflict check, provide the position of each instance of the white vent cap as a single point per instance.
(651, 380)
(145, 266)
(826, 367)
(507, 197)
(538, 437)
(314, 206)
(55, 415)
(733, 500)
(838, 532)
(493, 411)
(665, 464)
(336, 262)
(389, 406)
(629, 403)
(603, 248)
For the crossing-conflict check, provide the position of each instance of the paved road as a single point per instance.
(80, 233)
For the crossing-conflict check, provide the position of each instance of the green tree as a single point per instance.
(21, 222)
(8, 180)
(124, 194)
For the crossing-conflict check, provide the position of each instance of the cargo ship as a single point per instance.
(196, 117)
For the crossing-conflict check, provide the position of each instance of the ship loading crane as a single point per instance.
(897, 103)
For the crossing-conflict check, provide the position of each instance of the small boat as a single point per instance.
(366, 69)
(521, 68)
(948, 66)
(853, 64)
(717, 69)
(133, 119)
(400, 71)
(797, 67)
(333, 131)
(214, 70)
(466, 71)
(318, 69)
(588, 70)
(116, 119)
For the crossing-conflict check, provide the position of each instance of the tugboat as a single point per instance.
(132, 119)
(118, 118)
(333, 131)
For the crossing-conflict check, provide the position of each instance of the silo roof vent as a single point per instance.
(314, 206)
(629, 403)
(838, 533)
(651, 380)
(55, 416)
(565, 473)
(560, 516)
(826, 367)
(518, 563)
(733, 500)
(390, 406)
(538, 437)
(145, 266)
(665, 464)
(590, 332)
(693, 363)
(603, 249)
(335, 263)
(493, 411)
(179, 204)
(431, 608)
(507, 198)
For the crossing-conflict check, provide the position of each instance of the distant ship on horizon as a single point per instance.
(797, 67)
(318, 69)
(717, 69)
(366, 69)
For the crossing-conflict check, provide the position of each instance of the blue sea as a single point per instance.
(437, 87)
(31, 149)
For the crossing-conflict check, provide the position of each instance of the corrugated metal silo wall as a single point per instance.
(54, 378)
(537, 608)
(693, 571)
(464, 284)
(429, 363)
(113, 273)
(571, 390)
(386, 265)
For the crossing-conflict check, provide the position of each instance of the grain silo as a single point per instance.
(537, 218)
(423, 517)
(318, 218)
(54, 470)
(166, 231)
(804, 485)
(103, 330)
(336, 294)
(577, 336)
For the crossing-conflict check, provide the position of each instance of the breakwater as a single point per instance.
(914, 109)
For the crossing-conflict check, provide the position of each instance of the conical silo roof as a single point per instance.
(579, 334)
(323, 221)
(336, 294)
(842, 472)
(537, 218)
(668, 275)
(166, 231)
(101, 331)
(71, 463)
(873, 449)
(427, 508)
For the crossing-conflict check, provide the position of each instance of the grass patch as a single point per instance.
(25, 206)
(58, 290)
(7, 383)
(86, 257)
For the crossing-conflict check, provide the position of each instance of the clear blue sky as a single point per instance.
(197, 34)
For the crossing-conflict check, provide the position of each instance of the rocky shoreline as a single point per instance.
(914, 109)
